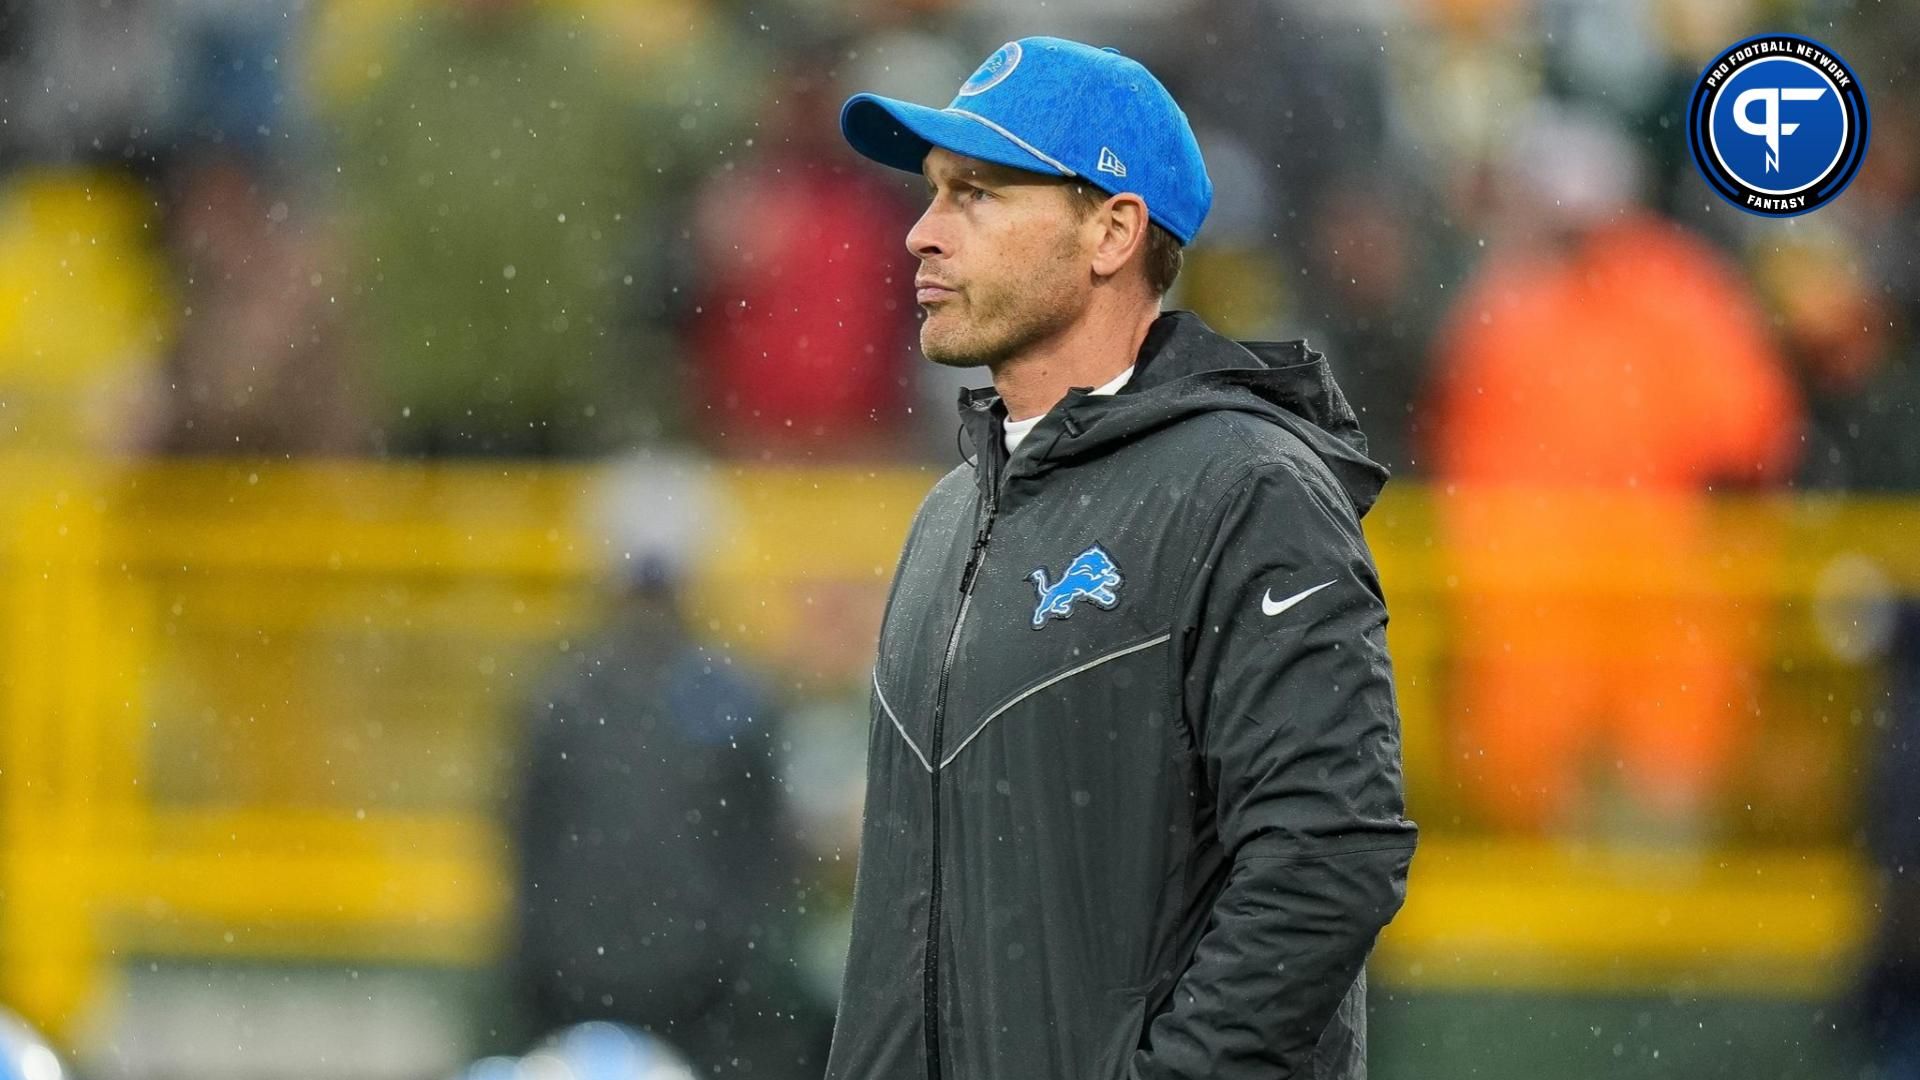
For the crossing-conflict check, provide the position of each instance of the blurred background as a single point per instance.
(455, 452)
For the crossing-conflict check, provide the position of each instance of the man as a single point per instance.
(1620, 710)
(1134, 798)
(654, 860)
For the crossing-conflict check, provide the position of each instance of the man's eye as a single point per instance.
(967, 192)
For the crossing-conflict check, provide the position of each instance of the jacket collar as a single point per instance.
(1183, 368)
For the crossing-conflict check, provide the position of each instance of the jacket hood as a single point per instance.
(1185, 367)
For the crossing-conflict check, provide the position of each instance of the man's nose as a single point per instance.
(927, 239)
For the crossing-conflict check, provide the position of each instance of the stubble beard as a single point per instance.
(999, 323)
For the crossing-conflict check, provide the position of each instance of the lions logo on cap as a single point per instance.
(997, 67)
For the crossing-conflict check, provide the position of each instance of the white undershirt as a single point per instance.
(1017, 429)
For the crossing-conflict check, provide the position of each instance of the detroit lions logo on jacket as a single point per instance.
(1091, 574)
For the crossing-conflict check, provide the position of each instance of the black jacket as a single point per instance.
(654, 867)
(1150, 829)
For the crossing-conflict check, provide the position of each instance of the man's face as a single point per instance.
(1008, 245)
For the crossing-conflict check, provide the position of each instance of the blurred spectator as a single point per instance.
(1603, 371)
(1369, 291)
(1460, 75)
(94, 82)
(1867, 418)
(1233, 276)
(656, 858)
(255, 364)
(1838, 327)
(84, 297)
(1688, 33)
(514, 189)
(825, 773)
(1886, 999)
(1320, 114)
(805, 321)
(1319, 229)
(130, 82)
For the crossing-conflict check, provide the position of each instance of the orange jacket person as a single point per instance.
(1590, 392)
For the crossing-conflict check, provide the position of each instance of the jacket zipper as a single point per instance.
(930, 986)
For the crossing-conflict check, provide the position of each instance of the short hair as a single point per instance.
(1164, 252)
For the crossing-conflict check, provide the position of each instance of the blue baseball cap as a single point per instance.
(1049, 105)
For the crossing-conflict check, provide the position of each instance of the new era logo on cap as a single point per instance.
(1058, 107)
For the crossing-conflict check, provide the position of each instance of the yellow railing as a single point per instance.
(261, 709)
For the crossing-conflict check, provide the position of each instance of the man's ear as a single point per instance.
(1122, 230)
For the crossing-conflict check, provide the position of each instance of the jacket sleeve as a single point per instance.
(1294, 717)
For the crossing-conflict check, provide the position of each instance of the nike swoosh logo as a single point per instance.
(1270, 606)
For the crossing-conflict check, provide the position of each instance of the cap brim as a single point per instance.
(899, 134)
